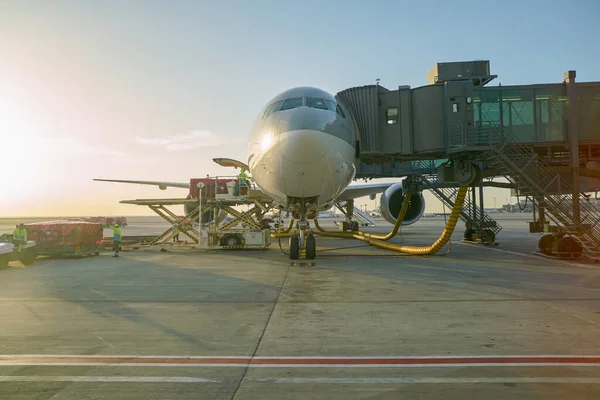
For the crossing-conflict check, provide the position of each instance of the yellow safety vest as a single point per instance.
(21, 234)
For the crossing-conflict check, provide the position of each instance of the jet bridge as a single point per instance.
(544, 138)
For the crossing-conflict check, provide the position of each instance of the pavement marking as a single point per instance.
(187, 379)
(304, 362)
(16, 270)
(572, 314)
(532, 256)
(111, 379)
(424, 380)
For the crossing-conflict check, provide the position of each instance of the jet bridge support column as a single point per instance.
(573, 137)
(474, 198)
(481, 208)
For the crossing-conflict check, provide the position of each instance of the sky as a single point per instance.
(153, 90)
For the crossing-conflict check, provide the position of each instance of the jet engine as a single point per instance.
(391, 204)
(206, 218)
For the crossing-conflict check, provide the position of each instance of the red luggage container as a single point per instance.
(66, 237)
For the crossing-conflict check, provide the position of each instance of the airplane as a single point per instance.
(302, 151)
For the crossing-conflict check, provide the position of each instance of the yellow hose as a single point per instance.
(318, 226)
(340, 234)
(390, 235)
(399, 221)
(286, 233)
(417, 250)
(289, 228)
(438, 244)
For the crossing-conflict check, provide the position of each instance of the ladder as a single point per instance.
(536, 178)
(358, 214)
(476, 220)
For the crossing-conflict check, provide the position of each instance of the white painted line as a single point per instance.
(111, 379)
(532, 256)
(507, 356)
(411, 380)
(419, 380)
(33, 268)
(303, 362)
(249, 365)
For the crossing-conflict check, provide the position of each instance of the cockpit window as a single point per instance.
(313, 102)
(291, 103)
(272, 108)
(330, 104)
(339, 110)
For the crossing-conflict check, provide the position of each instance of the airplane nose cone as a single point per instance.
(305, 145)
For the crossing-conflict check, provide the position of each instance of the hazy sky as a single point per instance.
(155, 89)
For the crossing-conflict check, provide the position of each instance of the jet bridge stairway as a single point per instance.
(479, 225)
(553, 193)
(358, 214)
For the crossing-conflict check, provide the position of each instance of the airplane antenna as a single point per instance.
(377, 81)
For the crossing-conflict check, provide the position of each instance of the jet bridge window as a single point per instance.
(313, 102)
(391, 115)
(291, 103)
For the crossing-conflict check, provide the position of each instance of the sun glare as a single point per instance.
(22, 156)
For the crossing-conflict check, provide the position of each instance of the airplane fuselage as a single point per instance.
(302, 148)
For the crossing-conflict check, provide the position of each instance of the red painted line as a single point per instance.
(431, 360)
(299, 361)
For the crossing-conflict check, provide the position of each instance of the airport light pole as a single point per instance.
(200, 186)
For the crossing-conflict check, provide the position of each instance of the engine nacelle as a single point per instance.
(206, 218)
(391, 204)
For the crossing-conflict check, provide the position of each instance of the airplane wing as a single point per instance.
(356, 191)
(161, 185)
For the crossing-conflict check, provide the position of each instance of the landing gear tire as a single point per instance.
(488, 236)
(469, 232)
(294, 247)
(546, 244)
(311, 247)
(568, 247)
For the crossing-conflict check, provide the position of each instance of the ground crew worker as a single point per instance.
(116, 238)
(176, 233)
(19, 237)
(242, 177)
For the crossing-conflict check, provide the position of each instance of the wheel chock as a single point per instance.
(302, 264)
(301, 261)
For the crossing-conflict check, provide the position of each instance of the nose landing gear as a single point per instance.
(304, 243)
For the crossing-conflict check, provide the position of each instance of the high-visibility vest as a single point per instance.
(116, 233)
(20, 234)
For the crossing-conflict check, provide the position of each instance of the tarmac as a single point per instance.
(493, 322)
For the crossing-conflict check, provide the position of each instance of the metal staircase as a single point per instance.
(536, 178)
(364, 218)
(479, 225)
